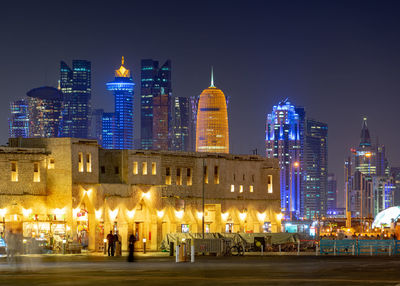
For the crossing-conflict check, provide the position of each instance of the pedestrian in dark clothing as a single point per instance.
(117, 244)
(132, 240)
(110, 239)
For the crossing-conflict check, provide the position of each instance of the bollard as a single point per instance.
(334, 248)
(177, 253)
(298, 247)
(105, 246)
(280, 250)
(64, 241)
(144, 246)
(171, 249)
(262, 250)
(352, 250)
(192, 253)
(370, 250)
(316, 250)
(390, 249)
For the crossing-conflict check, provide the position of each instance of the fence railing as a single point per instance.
(359, 247)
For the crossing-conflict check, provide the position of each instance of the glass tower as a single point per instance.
(315, 169)
(108, 128)
(45, 108)
(331, 194)
(18, 122)
(181, 124)
(75, 85)
(122, 88)
(153, 78)
(283, 142)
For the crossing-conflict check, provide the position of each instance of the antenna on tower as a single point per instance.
(212, 77)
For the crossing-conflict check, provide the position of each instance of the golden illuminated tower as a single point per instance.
(212, 132)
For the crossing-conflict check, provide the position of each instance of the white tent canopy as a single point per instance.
(386, 216)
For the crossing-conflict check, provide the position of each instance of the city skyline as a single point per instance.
(357, 77)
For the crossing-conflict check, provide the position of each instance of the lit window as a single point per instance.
(168, 176)
(251, 188)
(241, 189)
(80, 162)
(216, 175)
(135, 168)
(185, 228)
(51, 164)
(269, 184)
(205, 174)
(88, 162)
(178, 177)
(153, 168)
(144, 168)
(232, 188)
(36, 172)
(189, 177)
(14, 172)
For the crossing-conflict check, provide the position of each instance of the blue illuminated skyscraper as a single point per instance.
(284, 141)
(108, 128)
(122, 88)
(153, 78)
(75, 85)
(19, 120)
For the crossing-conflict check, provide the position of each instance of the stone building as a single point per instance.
(64, 187)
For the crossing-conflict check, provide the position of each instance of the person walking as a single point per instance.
(117, 241)
(110, 239)
(132, 240)
(11, 242)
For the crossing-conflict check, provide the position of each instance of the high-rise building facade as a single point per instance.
(75, 85)
(153, 78)
(331, 193)
(315, 169)
(108, 128)
(161, 121)
(284, 143)
(44, 108)
(18, 123)
(369, 187)
(122, 88)
(181, 124)
(96, 125)
(212, 130)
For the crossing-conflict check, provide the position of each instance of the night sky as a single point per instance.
(338, 59)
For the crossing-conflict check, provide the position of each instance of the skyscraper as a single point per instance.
(122, 88)
(44, 108)
(331, 193)
(153, 79)
(96, 125)
(181, 124)
(161, 121)
(18, 122)
(315, 169)
(369, 187)
(75, 85)
(212, 130)
(108, 128)
(284, 143)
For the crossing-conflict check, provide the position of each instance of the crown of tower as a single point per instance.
(212, 77)
(122, 71)
(365, 139)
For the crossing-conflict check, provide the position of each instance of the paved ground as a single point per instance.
(151, 270)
